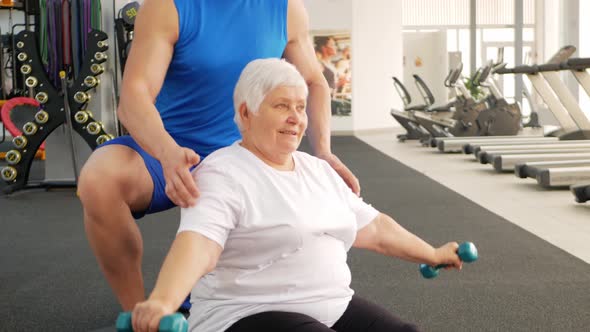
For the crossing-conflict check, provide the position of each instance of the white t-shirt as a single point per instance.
(285, 236)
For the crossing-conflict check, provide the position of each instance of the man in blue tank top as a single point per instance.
(176, 102)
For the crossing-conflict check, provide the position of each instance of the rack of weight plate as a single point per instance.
(66, 107)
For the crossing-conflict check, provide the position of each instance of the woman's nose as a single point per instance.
(294, 116)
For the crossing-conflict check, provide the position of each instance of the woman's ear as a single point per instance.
(245, 115)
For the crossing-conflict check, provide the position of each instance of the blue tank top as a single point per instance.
(217, 38)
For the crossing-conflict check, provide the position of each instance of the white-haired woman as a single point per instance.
(265, 247)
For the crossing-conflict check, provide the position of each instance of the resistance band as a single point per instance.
(8, 107)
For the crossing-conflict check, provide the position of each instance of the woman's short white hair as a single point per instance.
(260, 77)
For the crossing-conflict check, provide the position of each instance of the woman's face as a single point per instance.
(330, 47)
(277, 128)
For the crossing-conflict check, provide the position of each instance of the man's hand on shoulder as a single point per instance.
(180, 185)
(343, 171)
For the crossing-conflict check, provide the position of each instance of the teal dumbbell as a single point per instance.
(467, 252)
(171, 323)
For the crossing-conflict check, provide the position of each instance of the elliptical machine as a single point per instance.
(503, 118)
(440, 114)
(459, 119)
(406, 117)
(492, 115)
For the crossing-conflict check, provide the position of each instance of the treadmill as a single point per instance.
(576, 146)
(563, 173)
(568, 130)
(581, 190)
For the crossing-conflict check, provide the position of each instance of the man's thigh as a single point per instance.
(159, 201)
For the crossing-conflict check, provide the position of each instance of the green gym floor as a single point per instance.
(532, 273)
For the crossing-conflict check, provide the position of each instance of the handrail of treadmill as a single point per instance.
(549, 67)
(563, 54)
(504, 70)
(525, 69)
(576, 64)
(571, 64)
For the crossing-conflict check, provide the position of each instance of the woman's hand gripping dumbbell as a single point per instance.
(467, 252)
(170, 323)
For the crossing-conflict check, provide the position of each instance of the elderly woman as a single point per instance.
(265, 247)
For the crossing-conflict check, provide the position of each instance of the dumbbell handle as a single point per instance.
(467, 252)
(170, 323)
(430, 272)
(441, 266)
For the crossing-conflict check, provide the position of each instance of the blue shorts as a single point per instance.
(160, 200)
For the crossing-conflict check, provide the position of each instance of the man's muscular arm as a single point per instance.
(156, 32)
(300, 52)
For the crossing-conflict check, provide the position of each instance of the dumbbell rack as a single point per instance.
(52, 111)
(124, 25)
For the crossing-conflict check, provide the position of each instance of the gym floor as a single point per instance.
(551, 214)
(532, 273)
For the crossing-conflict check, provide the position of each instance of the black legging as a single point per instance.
(360, 316)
